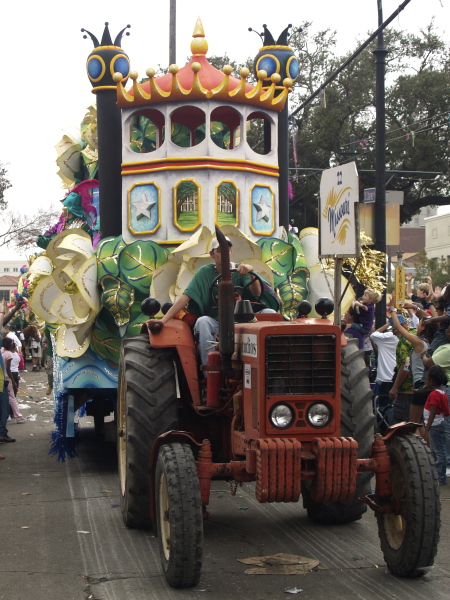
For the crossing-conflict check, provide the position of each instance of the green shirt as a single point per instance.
(200, 303)
(402, 353)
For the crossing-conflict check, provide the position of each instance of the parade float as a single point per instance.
(175, 156)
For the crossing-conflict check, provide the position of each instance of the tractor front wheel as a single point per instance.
(409, 537)
(179, 515)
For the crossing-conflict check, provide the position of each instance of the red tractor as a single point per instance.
(287, 405)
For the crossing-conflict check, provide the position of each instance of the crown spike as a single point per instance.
(268, 38)
(91, 35)
(283, 39)
(118, 39)
(106, 37)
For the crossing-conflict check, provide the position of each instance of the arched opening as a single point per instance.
(146, 130)
(225, 127)
(187, 126)
(259, 133)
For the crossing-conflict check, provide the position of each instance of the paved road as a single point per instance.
(46, 506)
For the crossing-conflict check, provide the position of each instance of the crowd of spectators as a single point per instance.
(409, 358)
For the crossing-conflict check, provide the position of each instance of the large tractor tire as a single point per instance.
(179, 516)
(409, 539)
(358, 422)
(147, 407)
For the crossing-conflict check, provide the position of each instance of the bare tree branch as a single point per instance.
(16, 228)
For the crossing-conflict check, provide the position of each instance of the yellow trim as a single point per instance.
(114, 60)
(109, 48)
(158, 225)
(199, 200)
(291, 58)
(276, 48)
(102, 62)
(193, 158)
(255, 231)
(216, 198)
(217, 168)
(103, 87)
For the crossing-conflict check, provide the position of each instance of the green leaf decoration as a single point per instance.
(105, 340)
(279, 256)
(138, 260)
(292, 290)
(143, 134)
(107, 256)
(299, 261)
(118, 298)
(136, 320)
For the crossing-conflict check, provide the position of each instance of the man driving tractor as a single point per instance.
(199, 299)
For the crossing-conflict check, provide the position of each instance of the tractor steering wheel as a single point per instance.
(213, 291)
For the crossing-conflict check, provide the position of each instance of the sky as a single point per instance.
(46, 89)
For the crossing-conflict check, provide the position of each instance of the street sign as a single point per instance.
(369, 194)
(400, 281)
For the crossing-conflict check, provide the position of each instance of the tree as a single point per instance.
(16, 228)
(438, 269)
(4, 185)
(417, 110)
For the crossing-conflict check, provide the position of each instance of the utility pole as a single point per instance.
(173, 33)
(380, 156)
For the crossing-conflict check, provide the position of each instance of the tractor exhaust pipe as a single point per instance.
(225, 306)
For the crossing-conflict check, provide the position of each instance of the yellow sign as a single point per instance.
(400, 283)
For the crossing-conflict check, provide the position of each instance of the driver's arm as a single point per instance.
(175, 308)
(255, 286)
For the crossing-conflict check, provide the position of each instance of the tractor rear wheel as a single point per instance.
(179, 516)
(358, 422)
(146, 408)
(409, 539)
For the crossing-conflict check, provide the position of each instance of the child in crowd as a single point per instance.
(365, 309)
(7, 350)
(434, 412)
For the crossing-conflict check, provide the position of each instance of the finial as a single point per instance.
(198, 29)
(199, 45)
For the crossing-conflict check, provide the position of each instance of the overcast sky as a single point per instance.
(46, 88)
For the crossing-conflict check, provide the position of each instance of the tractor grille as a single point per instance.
(300, 364)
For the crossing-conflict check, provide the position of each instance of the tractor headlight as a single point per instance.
(319, 414)
(281, 416)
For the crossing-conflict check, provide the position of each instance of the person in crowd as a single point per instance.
(414, 363)
(423, 290)
(7, 351)
(15, 362)
(11, 334)
(441, 358)
(402, 390)
(36, 350)
(365, 310)
(197, 301)
(443, 318)
(385, 344)
(5, 317)
(436, 409)
(348, 321)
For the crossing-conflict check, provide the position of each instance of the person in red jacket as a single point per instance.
(435, 410)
